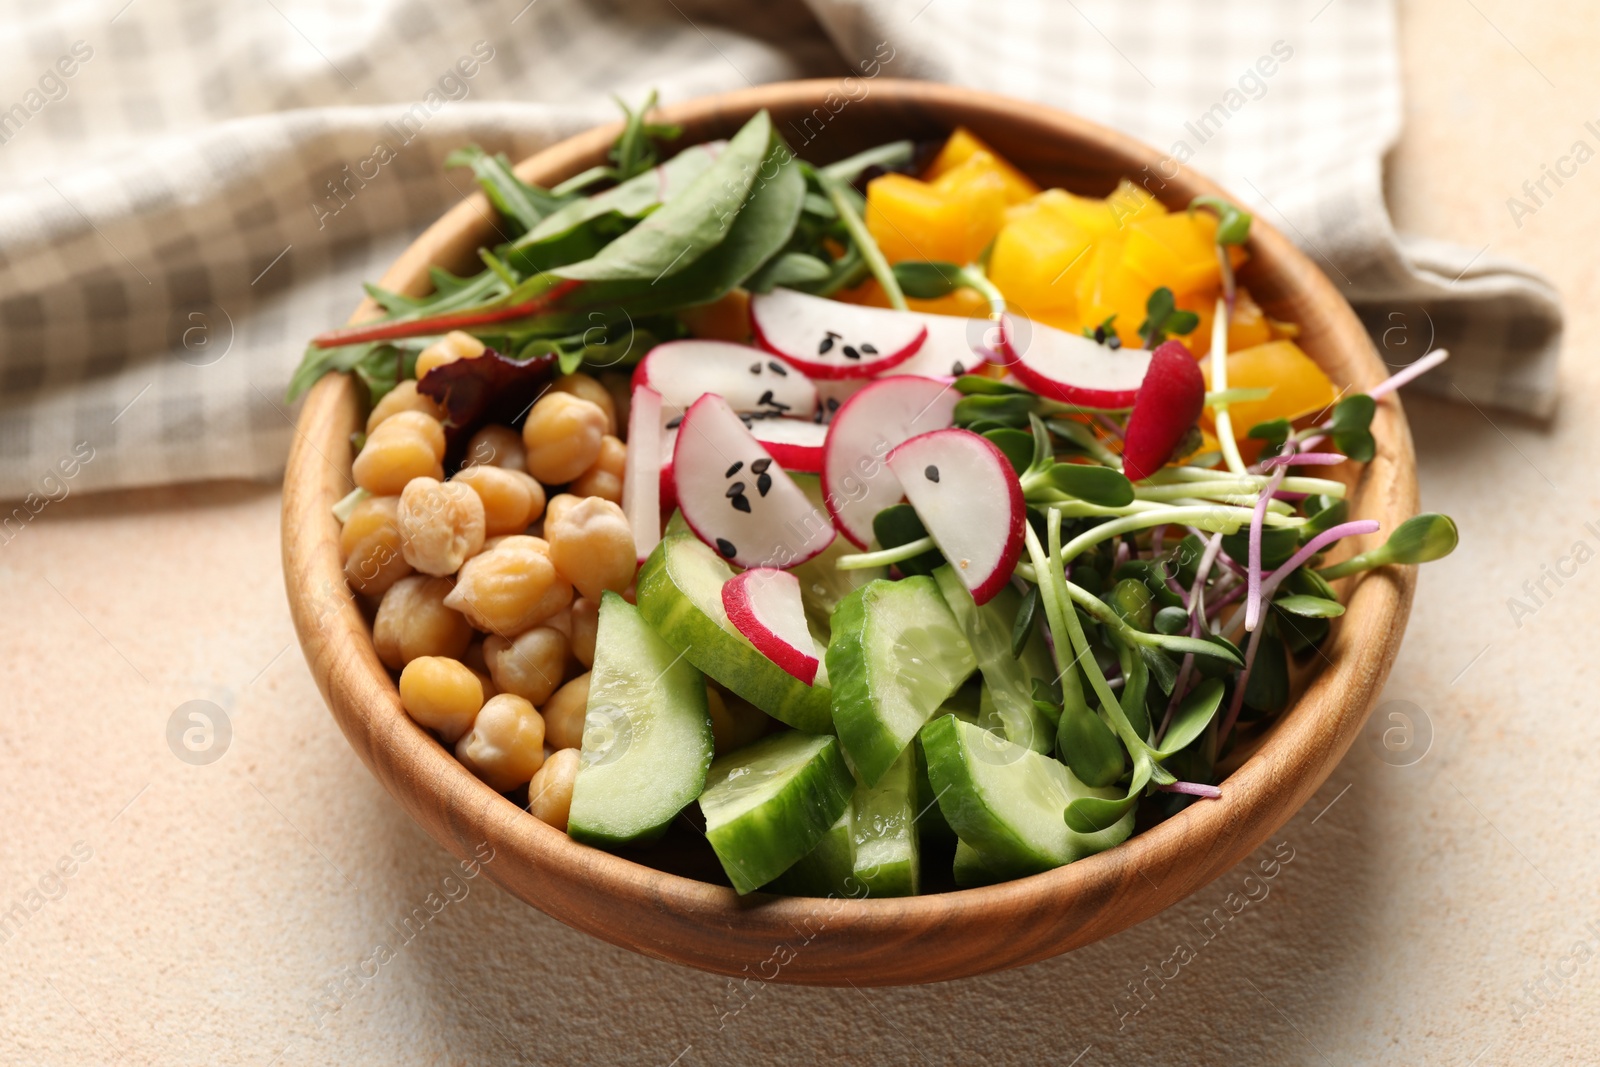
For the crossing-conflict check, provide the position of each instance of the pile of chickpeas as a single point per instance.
(487, 592)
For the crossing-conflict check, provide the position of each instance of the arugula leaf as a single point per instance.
(889, 156)
(792, 270)
(633, 198)
(693, 221)
(520, 204)
(635, 150)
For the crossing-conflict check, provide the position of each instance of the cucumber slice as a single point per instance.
(930, 820)
(646, 733)
(888, 859)
(896, 653)
(969, 869)
(1008, 802)
(828, 870)
(1008, 679)
(680, 594)
(769, 803)
(822, 585)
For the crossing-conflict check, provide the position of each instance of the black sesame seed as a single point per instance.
(760, 466)
(766, 398)
(870, 350)
(957, 368)
(731, 471)
(740, 503)
(825, 347)
(736, 488)
(931, 473)
(850, 352)
(725, 547)
(777, 368)
(833, 403)
(673, 423)
(763, 483)
(755, 368)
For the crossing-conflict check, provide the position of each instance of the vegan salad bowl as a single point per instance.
(816, 539)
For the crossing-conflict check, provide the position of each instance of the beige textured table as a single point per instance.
(1439, 911)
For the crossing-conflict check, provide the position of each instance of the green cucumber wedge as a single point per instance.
(895, 655)
(1008, 679)
(828, 870)
(888, 856)
(680, 594)
(768, 804)
(969, 869)
(1008, 802)
(646, 733)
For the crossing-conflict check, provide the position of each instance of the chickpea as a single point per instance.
(441, 524)
(531, 666)
(413, 621)
(564, 712)
(370, 546)
(505, 746)
(562, 436)
(497, 446)
(604, 479)
(441, 694)
(734, 721)
(511, 499)
(592, 546)
(561, 620)
(585, 625)
(558, 506)
(550, 790)
(447, 349)
(403, 397)
(406, 445)
(584, 387)
(510, 589)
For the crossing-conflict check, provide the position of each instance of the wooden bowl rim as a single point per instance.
(880, 941)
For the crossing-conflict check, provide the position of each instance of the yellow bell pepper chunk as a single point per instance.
(1299, 387)
(1108, 288)
(1178, 251)
(962, 146)
(966, 303)
(911, 219)
(1037, 260)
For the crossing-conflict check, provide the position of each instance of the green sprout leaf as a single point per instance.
(899, 525)
(927, 279)
(1233, 224)
(1420, 539)
(1310, 607)
(1022, 629)
(1162, 317)
(1089, 748)
(1017, 445)
(1105, 333)
(1274, 433)
(1192, 716)
(1092, 484)
(1171, 621)
(1352, 422)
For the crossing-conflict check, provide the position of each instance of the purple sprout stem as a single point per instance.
(1302, 459)
(1213, 610)
(1237, 702)
(1354, 528)
(1193, 789)
(1252, 604)
(1406, 374)
(1158, 539)
(1195, 602)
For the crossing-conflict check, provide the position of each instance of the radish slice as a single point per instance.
(752, 381)
(764, 604)
(1167, 405)
(736, 498)
(795, 443)
(641, 472)
(1073, 368)
(829, 339)
(855, 483)
(669, 487)
(966, 494)
(952, 347)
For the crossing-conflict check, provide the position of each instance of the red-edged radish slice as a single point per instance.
(641, 473)
(736, 498)
(753, 382)
(855, 483)
(669, 487)
(1073, 368)
(764, 604)
(829, 339)
(795, 443)
(953, 347)
(1166, 407)
(967, 495)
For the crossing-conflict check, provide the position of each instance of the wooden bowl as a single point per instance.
(930, 938)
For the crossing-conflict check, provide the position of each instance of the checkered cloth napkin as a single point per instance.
(177, 215)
